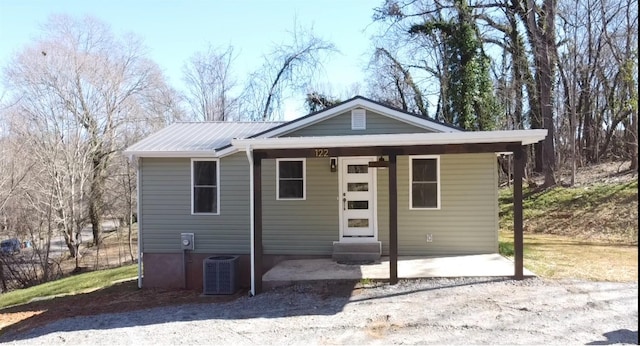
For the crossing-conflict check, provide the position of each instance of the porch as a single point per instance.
(389, 147)
(409, 267)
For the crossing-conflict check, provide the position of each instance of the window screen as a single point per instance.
(291, 179)
(205, 187)
(424, 183)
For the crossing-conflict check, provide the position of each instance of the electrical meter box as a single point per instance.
(186, 241)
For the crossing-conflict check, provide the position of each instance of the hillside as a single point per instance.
(601, 206)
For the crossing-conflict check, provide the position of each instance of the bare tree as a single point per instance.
(80, 84)
(291, 66)
(598, 71)
(393, 83)
(208, 79)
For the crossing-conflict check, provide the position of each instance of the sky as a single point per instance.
(174, 30)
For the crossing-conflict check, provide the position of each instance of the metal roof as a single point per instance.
(196, 138)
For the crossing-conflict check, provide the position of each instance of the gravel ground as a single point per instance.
(435, 311)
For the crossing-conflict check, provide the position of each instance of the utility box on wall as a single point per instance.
(187, 241)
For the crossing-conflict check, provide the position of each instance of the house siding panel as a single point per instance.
(166, 207)
(467, 222)
(301, 227)
(340, 125)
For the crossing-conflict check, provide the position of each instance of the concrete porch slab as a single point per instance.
(408, 268)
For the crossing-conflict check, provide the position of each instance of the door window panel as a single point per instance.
(358, 223)
(355, 187)
(357, 169)
(358, 205)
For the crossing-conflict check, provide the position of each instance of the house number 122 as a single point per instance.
(322, 152)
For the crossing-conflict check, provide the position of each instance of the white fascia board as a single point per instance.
(295, 125)
(523, 136)
(168, 154)
(410, 119)
(227, 151)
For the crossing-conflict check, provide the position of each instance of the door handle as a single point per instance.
(344, 204)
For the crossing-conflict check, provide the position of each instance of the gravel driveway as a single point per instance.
(435, 311)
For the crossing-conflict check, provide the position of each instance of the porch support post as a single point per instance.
(519, 157)
(257, 219)
(393, 220)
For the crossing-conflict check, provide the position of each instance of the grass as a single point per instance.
(558, 257)
(70, 285)
(365, 281)
(597, 212)
(588, 232)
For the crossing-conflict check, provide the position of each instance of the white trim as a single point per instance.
(359, 103)
(171, 154)
(138, 220)
(439, 182)
(252, 290)
(524, 137)
(218, 202)
(226, 151)
(374, 201)
(304, 179)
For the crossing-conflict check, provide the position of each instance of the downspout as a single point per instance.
(252, 291)
(139, 221)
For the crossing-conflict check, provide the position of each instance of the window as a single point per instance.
(205, 179)
(424, 179)
(290, 182)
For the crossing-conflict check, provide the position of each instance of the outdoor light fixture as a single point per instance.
(333, 164)
(380, 163)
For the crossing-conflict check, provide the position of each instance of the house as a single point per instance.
(358, 175)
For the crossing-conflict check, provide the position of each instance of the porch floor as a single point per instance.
(408, 268)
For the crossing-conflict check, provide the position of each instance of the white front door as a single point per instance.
(357, 199)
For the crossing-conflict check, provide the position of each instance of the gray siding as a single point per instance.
(166, 207)
(467, 222)
(340, 125)
(301, 227)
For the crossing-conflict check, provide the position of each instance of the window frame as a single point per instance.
(217, 161)
(438, 182)
(304, 179)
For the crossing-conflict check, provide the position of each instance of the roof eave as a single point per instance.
(170, 154)
(525, 137)
(356, 102)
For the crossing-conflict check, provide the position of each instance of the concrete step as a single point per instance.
(356, 252)
(357, 247)
(355, 257)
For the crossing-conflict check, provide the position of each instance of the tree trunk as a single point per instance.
(96, 196)
(4, 281)
(632, 141)
(540, 25)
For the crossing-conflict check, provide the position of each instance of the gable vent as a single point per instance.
(358, 119)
